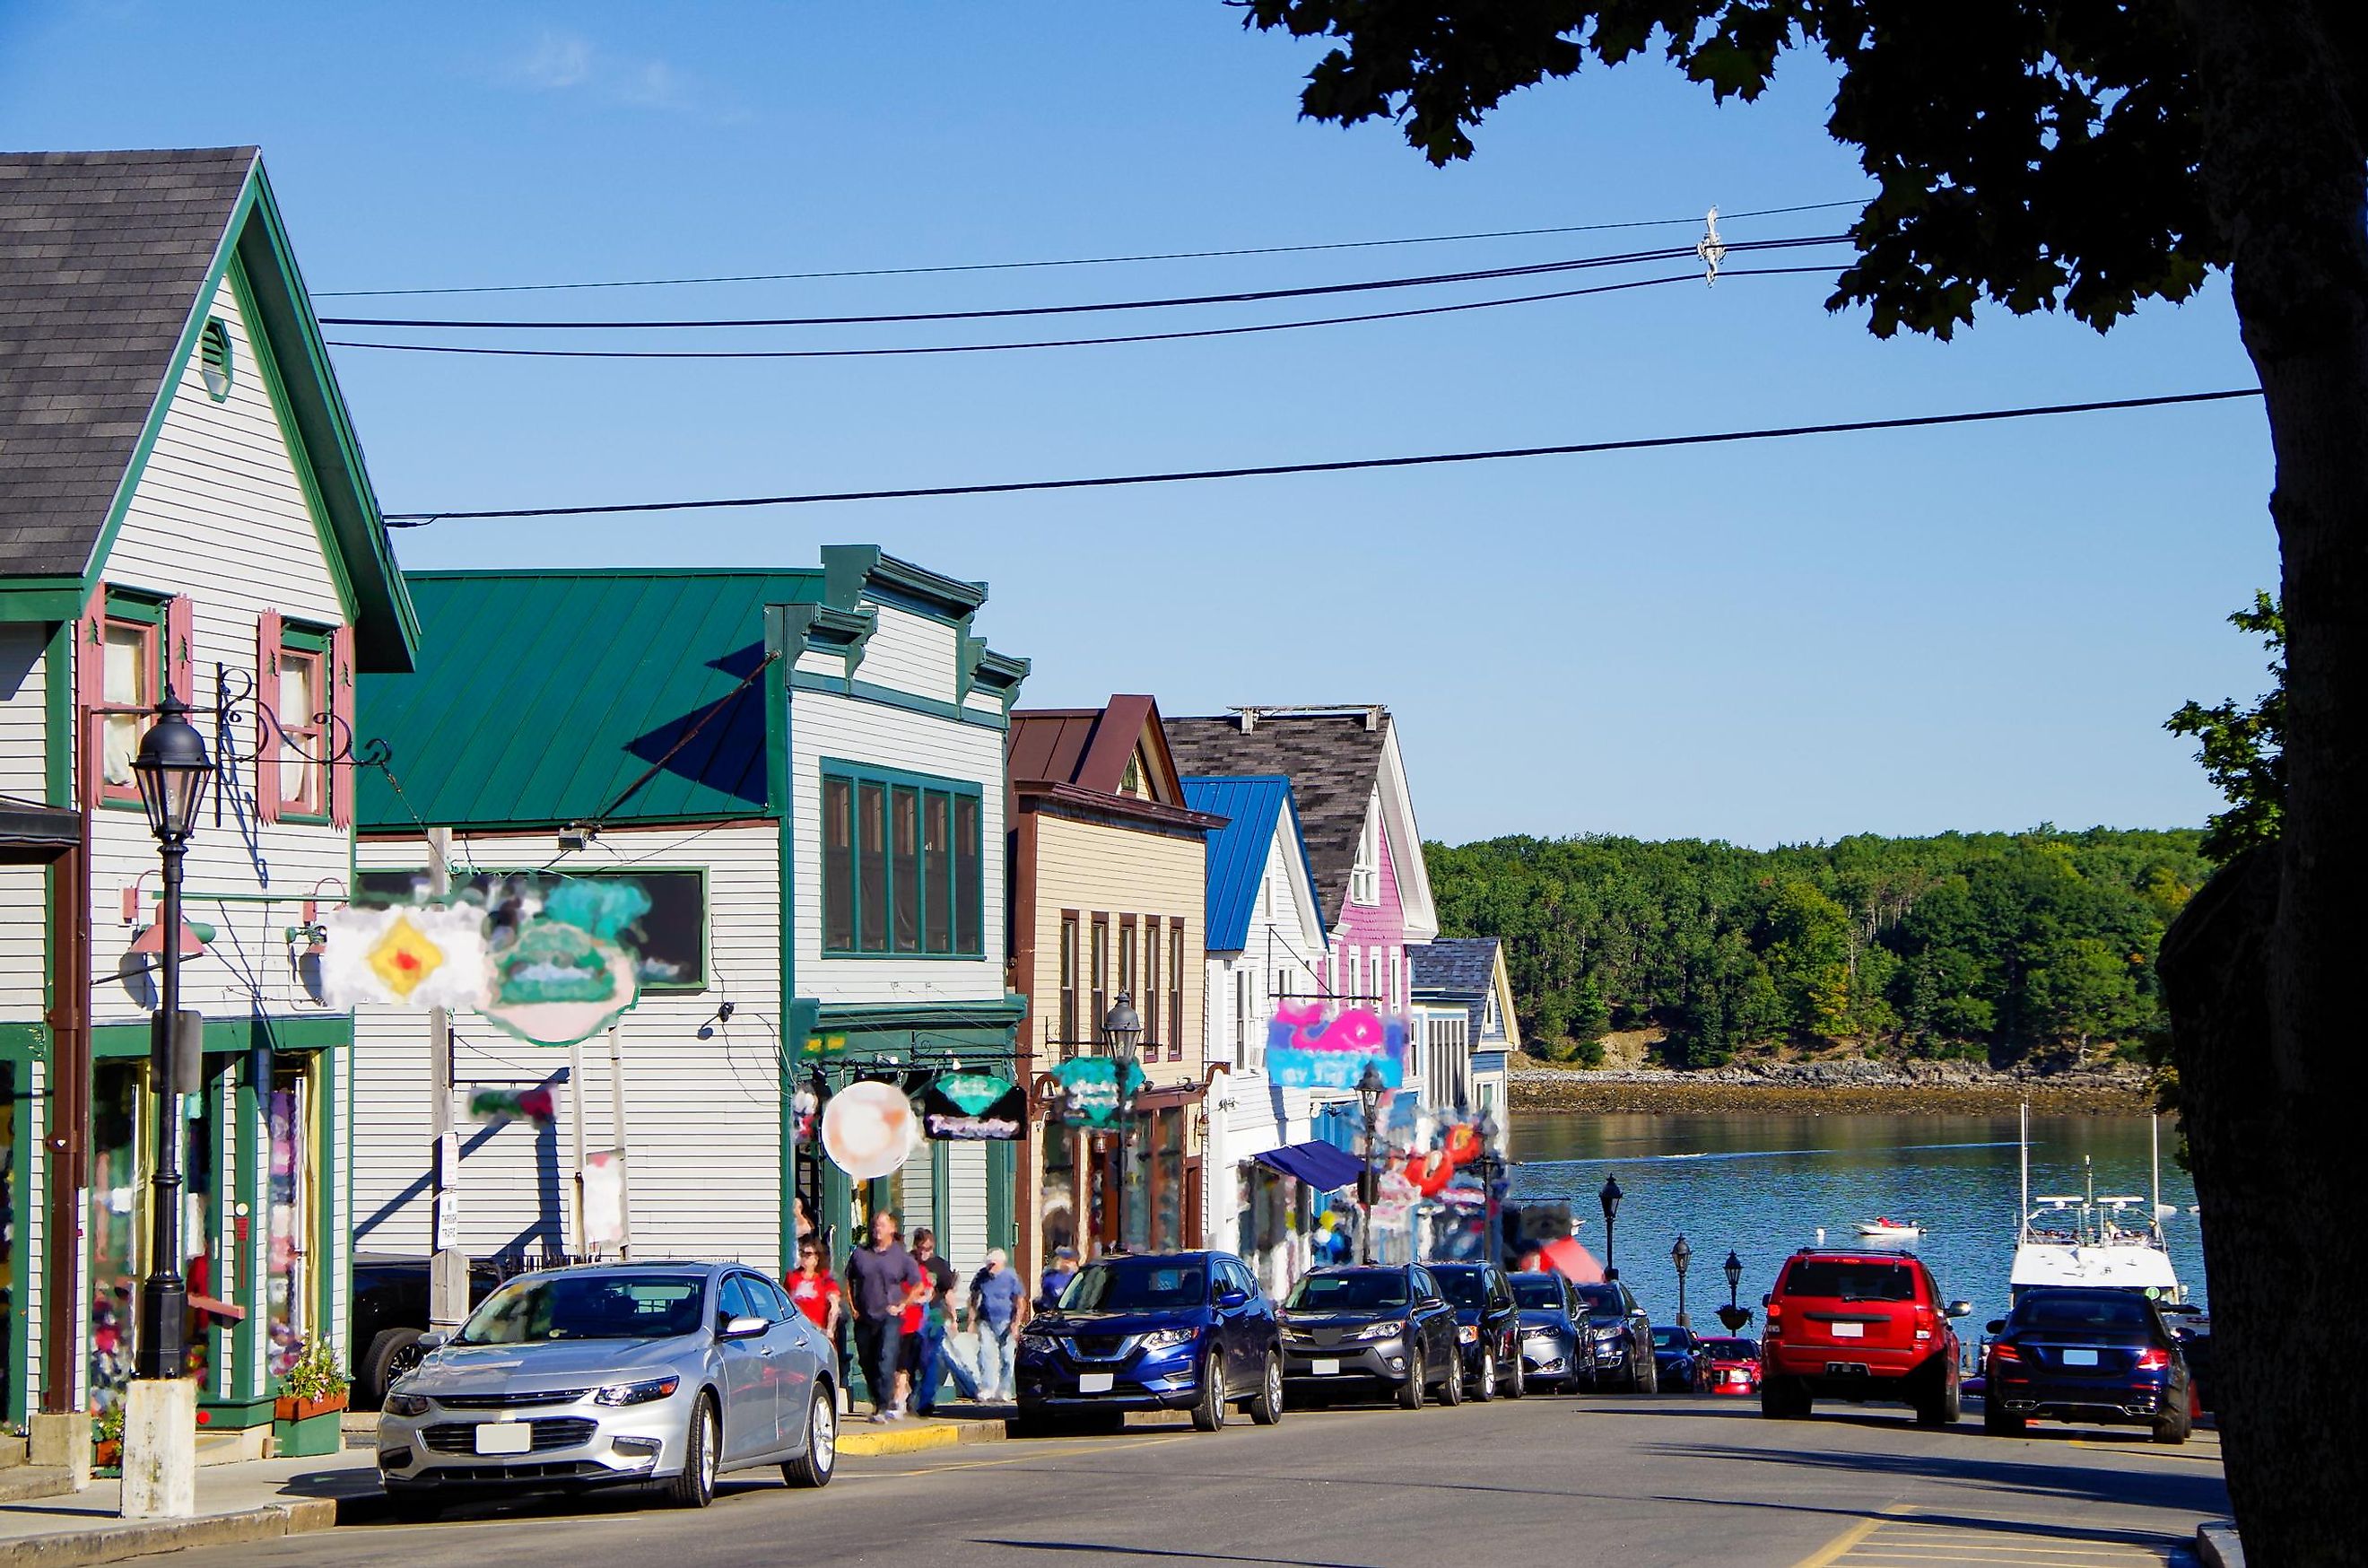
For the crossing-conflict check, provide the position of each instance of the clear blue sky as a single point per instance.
(1975, 628)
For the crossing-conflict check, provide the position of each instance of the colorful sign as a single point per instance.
(414, 957)
(535, 1105)
(970, 1106)
(1306, 1051)
(1093, 1089)
(868, 1130)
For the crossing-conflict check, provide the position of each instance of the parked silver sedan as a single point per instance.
(666, 1374)
(1551, 1314)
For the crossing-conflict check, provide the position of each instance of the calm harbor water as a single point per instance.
(1762, 1185)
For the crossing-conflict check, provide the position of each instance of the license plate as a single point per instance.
(1325, 1369)
(2079, 1357)
(1096, 1382)
(505, 1438)
(1849, 1331)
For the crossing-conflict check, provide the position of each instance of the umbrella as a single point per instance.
(1566, 1257)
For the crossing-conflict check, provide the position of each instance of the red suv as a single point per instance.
(1858, 1325)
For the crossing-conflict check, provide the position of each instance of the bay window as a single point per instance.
(901, 868)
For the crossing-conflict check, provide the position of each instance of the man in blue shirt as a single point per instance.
(995, 1297)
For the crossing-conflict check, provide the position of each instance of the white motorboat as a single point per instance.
(1892, 1230)
(2085, 1241)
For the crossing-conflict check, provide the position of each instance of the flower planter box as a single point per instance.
(292, 1408)
(308, 1428)
(107, 1455)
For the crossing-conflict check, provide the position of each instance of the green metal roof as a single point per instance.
(541, 698)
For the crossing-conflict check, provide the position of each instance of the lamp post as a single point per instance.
(1733, 1315)
(1609, 1197)
(1370, 1090)
(1681, 1254)
(1491, 1168)
(172, 770)
(1121, 1033)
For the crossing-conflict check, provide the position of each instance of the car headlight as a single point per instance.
(1169, 1339)
(637, 1394)
(1380, 1331)
(1606, 1336)
(404, 1405)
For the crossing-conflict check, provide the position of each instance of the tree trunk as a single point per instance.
(2257, 969)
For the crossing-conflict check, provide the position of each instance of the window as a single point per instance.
(1175, 992)
(1101, 976)
(1242, 1017)
(213, 359)
(1488, 1025)
(1365, 875)
(1126, 959)
(301, 703)
(1068, 977)
(902, 864)
(1151, 983)
(129, 678)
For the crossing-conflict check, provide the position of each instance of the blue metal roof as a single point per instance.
(1252, 802)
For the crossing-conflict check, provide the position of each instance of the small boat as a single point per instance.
(1883, 1230)
(2081, 1241)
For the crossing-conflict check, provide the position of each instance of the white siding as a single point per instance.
(23, 748)
(964, 1242)
(910, 653)
(32, 1221)
(702, 1116)
(823, 724)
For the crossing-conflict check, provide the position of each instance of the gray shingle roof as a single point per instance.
(101, 257)
(1459, 969)
(1331, 760)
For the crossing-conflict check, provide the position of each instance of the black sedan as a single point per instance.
(2095, 1356)
(1617, 1351)
(1676, 1360)
(1487, 1327)
(1554, 1322)
(1373, 1330)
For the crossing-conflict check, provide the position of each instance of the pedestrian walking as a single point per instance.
(881, 1275)
(1056, 1278)
(925, 1351)
(815, 1291)
(995, 1295)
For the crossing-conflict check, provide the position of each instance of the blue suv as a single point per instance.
(1161, 1331)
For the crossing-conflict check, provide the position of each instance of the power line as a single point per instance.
(1065, 261)
(1059, 342)
(1640, 443)
(1250, 296)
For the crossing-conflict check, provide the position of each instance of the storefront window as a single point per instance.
(1059, 1195)
(287, 1288)
(116, 1207)
(200, 1205)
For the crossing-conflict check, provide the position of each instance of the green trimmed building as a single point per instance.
(183, 504)
(805, 770)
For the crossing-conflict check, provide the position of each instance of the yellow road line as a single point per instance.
(1839, 1548)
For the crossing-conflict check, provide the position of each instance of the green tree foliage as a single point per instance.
(1992, 944)
(2243, 750)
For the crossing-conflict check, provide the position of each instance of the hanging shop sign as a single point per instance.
(551, 968)
(535, 1105)
(970, 1106)
(868, 1130)
(1305, 1050)
(1093, 1090)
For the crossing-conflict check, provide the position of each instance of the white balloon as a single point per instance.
(868, 1129)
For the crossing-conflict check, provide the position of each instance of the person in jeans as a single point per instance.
(925, 1351)
(881, 1276)
(995, 1297)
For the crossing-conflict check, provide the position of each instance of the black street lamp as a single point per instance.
(1609, 1197)
(1121, 1033)
(1681, 1254)
(1490, 1166)
(172, 770)
(1734, 1276)
(1731, 1314)
(1370, 1090)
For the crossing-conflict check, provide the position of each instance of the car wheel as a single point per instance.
(1209, 1410)
(1410, 1392)
(1998, 1422)
(1451, 1387)
(1783, 1398)
(1486, 1389)
(695, 1487)
(1647, 1377)
(394, 1352)
(1519, 1383)
(1267, 1408)
(813, 1466)
(1939, 1405)
(2175, 1427)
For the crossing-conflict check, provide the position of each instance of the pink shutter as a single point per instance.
(342, 781)
(90, 691)
(266, 696)
(180, 658)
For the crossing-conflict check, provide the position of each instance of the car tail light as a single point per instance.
(2005, 1353)
(1774, 1320)
(2154, 1360)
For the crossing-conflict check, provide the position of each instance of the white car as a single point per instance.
(661, 1374)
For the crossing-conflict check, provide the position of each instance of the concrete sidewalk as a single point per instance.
(236, 1503)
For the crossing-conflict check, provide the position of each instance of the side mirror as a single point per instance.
(1232, 1296)
(1995, 1326)
(434, 1339)
(1961, 1309)
(743, 1328)
(1767, 1301)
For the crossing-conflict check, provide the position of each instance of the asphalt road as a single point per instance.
(1619, 1480)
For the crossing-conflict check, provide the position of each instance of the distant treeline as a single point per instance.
(1982, 945)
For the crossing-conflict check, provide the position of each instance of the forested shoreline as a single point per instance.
(2002, 947)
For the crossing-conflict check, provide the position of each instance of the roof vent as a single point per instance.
(1372, 714)
(213, 359)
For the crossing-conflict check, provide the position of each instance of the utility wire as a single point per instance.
(1250, 296)
(1057, 342)
(1640, 443)
(1065, 261)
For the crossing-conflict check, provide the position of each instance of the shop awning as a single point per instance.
(1320, 1165)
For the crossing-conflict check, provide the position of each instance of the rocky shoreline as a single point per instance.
(1858, 1087)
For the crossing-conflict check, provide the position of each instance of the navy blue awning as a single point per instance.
(1320, 1165)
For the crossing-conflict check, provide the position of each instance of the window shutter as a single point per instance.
(180, 657)
(267, 697)
(341, 783)
(90, 691)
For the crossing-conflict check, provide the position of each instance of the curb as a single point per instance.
(2217, 1544)
(917, 1438)
(74, 1549)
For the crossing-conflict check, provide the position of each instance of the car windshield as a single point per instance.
(1671, 1338)
(588, 1306)
(1359, 1292)
(1603, 1301)
(2098, 1309)
(1135, 1284)
(1850, 1281)
(1538, 1295)
(1732, 1349)
(1463, 1287)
